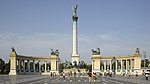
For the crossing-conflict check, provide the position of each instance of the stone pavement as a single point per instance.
(138, 80)
(40, 79)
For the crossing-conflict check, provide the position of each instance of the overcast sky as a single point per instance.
(33, 27)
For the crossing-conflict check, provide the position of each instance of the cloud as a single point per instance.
(39, 44)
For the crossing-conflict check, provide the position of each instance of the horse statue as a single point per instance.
(96, 52)
(55, 53)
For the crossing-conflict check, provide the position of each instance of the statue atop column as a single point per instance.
(137, 51)
(55, 53)
(75, 10)
(96, 52)
(13, 49)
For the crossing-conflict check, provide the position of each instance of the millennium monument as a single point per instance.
(75, 56)
(20, 64)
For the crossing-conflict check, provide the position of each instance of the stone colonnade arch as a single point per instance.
(117, 64)
(20, 64)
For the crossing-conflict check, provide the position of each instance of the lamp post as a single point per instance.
(144, 55)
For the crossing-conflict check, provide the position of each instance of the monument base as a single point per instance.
(75, 70)
(75, 58)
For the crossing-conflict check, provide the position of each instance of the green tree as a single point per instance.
(2, 66)
(147, 62)
(61, 67)
(89, 67)
(7, 68)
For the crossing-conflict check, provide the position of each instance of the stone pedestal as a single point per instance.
(137, 64)
(54, 64)
(96, 63)
(13, 63)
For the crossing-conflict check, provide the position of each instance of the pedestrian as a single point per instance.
(68, 75)
(90, 76)
(105, 74)
(51, 74)
(129, 74)
(74, 74)
(136, 73)
(63, 75)
(71, 73)
(121, 74)
(94, 76)
(146, 76)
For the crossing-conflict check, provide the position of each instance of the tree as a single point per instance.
(147, 62)
(89, 67)
(7, 67)
(61, 67)
(2, 66)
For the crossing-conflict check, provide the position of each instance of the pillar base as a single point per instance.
(75, 58)
(12, 72)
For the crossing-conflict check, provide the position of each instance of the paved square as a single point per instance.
(40, 79)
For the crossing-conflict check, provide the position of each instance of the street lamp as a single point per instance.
(144, 55)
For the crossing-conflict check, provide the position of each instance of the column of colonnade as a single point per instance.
(125, 65)
(32, 66)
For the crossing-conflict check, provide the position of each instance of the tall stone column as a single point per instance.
(121, 65)
(45, 66)
(116, 66)
(39, 67)
(110, 66)
(131, 65)
(75, 55)
(28, 65)
(23, 64)
(126, 65)
(33, 65)
(19, 61)
(104, 66)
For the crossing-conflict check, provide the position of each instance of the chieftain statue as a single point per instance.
(96, 52)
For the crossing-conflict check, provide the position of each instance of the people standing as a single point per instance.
(129, 74)
(146, 76)
(136, 73)
(94, 76)
(63, 75)
(51, 74)
(90, 76)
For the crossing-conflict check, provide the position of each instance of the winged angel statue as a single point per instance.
(74, 10)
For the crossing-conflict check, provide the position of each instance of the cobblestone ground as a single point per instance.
(39, 79)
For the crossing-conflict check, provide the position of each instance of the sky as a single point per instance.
(33, 27)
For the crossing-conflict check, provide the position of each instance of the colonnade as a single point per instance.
(117, 64)
(33, 65)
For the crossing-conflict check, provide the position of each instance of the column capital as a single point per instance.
(75, 18)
